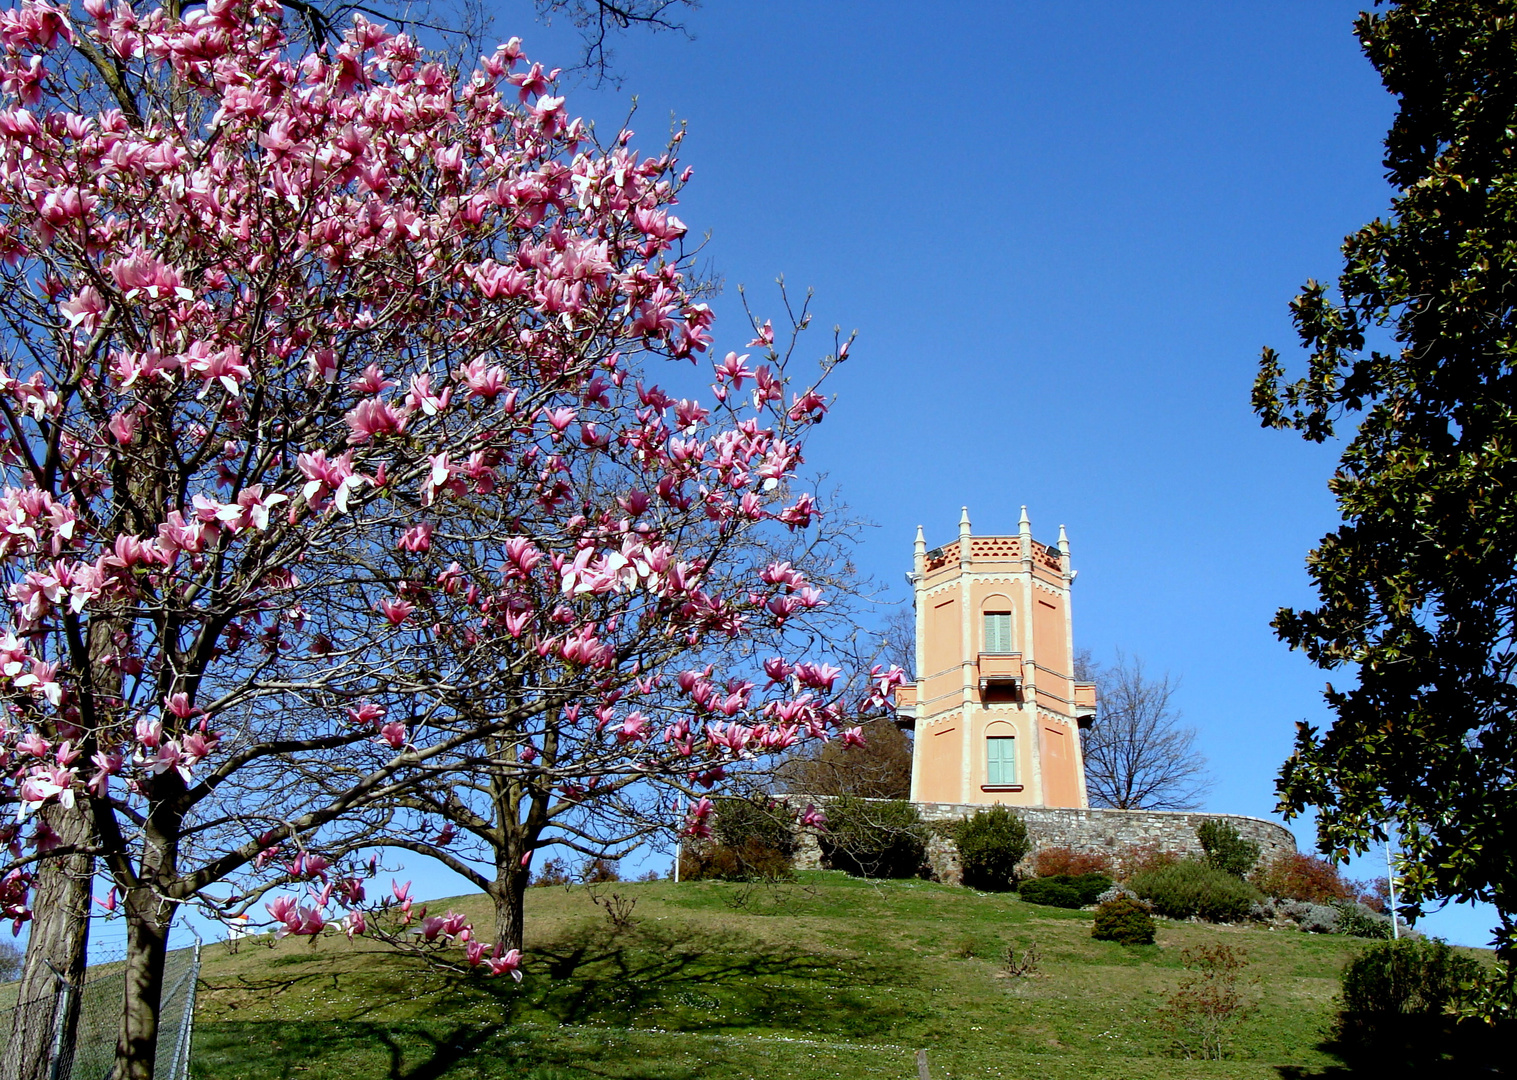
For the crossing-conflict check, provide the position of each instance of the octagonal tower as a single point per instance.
(996, 708)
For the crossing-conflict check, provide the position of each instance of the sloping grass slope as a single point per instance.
(827, 977)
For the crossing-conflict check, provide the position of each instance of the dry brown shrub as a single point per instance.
(1212, 1000)
(1136, 859)
(1302, 877)
(1062, 860)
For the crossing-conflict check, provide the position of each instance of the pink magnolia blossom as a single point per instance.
(394, 734)
(373, 419)
(367, 714)
(395, 610)
(416, 539)
(506, 963)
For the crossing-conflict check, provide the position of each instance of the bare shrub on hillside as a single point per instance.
(1211, 1001)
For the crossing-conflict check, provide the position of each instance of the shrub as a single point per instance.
(1313, 918)
(1062, 860)
(1118, 890)
(990, 844)
(967, 946)
(554, 872)
(10, 962)
(753, 839)
(1023, 964)
(1211, 1001)
(1225, 848)
(1053, 891)
(1361, 921)
(1397, 996)
(1302, 877)
(753, 860)
(1195, 888)
(1124, 920)
(738, 821)
(596, 871)
(1135, 859)
(873, 838)
(1063, 890)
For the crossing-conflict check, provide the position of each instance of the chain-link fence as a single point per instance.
(81, 1022)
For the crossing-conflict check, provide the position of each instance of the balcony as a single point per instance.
(1085, 703)
(906, 706)
(1000, 671)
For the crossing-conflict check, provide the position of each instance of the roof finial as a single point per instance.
(921, 538)
(1024, 525)
(964, 520)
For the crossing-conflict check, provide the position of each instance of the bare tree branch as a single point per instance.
(598, 21)
(1138, 756)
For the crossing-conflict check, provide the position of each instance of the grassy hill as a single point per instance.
(827, 977)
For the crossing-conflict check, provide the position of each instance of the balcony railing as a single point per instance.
(1085, 703)
(1000, 669)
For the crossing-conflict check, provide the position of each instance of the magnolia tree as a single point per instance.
(333, 465)
(697, 690)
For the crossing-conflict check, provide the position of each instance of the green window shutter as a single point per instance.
(1000, 760)
(998, 631)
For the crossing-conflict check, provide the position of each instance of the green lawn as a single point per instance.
(827, 977)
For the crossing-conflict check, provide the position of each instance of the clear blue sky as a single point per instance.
(1063, 232)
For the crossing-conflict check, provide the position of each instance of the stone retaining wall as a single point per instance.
(1109, 832)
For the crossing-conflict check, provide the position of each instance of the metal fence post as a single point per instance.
(60, 1022)
(181, 1066)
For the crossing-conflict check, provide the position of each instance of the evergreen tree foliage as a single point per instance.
(990, 844)
(1417, 590)
(1225, 847)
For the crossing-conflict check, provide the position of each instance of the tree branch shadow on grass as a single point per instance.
(674, 978)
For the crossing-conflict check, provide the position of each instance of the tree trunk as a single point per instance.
(59, 934)
(147, 940)
(509, 896)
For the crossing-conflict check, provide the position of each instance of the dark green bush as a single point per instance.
(1226, 849)
(990, 844)
(1125, 921)
(1358, 920)
(753, 839)
(873, 838)
(1065, 890)
(738, 821)
(1195, 888)
(1398, 997)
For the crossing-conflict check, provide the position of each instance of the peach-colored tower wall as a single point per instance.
(996, 708)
